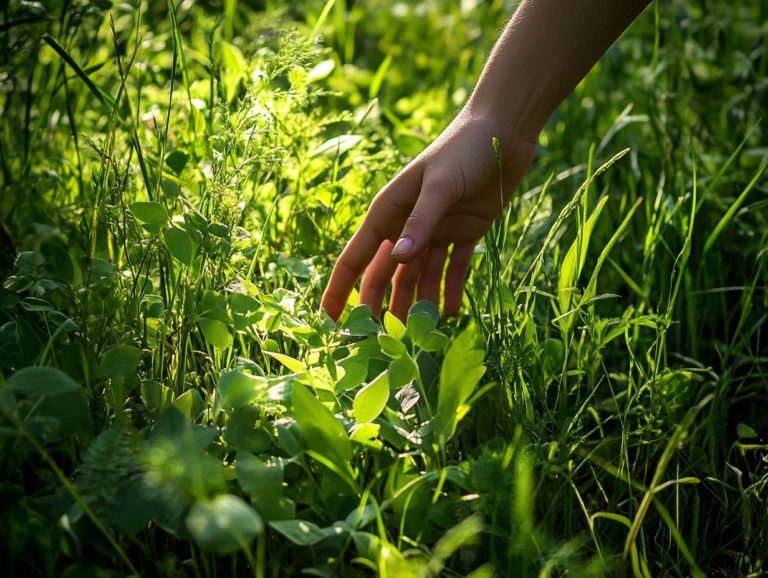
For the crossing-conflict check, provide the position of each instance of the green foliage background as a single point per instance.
(176, 180)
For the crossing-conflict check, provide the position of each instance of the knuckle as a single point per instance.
(416, 220)
(444, 182)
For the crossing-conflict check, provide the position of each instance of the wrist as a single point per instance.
(512, 128)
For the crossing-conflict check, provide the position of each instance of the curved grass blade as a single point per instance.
(731, 212)
(101, 95)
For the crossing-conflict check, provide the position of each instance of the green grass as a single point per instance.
(175, 182)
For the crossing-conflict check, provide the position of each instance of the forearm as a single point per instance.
(545, 50)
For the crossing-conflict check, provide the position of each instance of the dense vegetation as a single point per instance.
(175, 182)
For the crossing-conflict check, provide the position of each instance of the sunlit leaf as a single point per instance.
(402, 371)
(461, 372)
(237, 388)
(151, 213)
(337, 146)
(391, 346)
(294, 365)
(359, 322)
(366, 434)
(215, 332)
(322, 432)
(371, 399)
(321, 70)
(393, 326)
(355, 371)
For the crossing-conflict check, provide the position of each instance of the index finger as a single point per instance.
(385, 218)
(348, 269)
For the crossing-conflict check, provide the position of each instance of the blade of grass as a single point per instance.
(726, 165)
(731, 212)
(591, 290)
(101, 95)
(661, 467)
(179, 48)
(323, 16)
(535, 268)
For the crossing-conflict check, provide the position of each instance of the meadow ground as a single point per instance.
(175, 183)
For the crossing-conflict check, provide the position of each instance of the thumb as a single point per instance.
(431, 206)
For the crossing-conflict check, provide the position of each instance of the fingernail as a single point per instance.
(403, 246)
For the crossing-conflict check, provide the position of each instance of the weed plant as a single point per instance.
(175, 182)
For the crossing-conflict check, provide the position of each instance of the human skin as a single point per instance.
(443, 202)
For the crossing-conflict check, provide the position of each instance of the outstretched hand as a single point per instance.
(446, 197)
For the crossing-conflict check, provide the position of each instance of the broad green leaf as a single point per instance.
(119, 366)
(402, 371)
(425, 307)
(242, 303)
(175, 427)
(170, 188)
(304, 533)
(390, 346)
(190, 404)
(393, 326)
(294, 365)
(359, 322)
(215, 332)
(337, 146)
(366, 434)
(243, 430)
(155, 395)
(422, 318)
(263, 481)
(150, 213)
(179, 245)
(745, 432)
(237, 389)
(225, 524)
(355, 371)
(461, 372)
(371, 399)
(176, 160)
(433, 341)
(219, 230)
(368, 545)
(71, 412)
(288, 434)
(35, 381)
(419, 325)
(35, 304)
(322, 432)
(214, 301)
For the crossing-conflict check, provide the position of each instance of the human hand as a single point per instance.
(447, 196)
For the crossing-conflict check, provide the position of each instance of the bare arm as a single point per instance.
(446, 199)
(545, 50)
